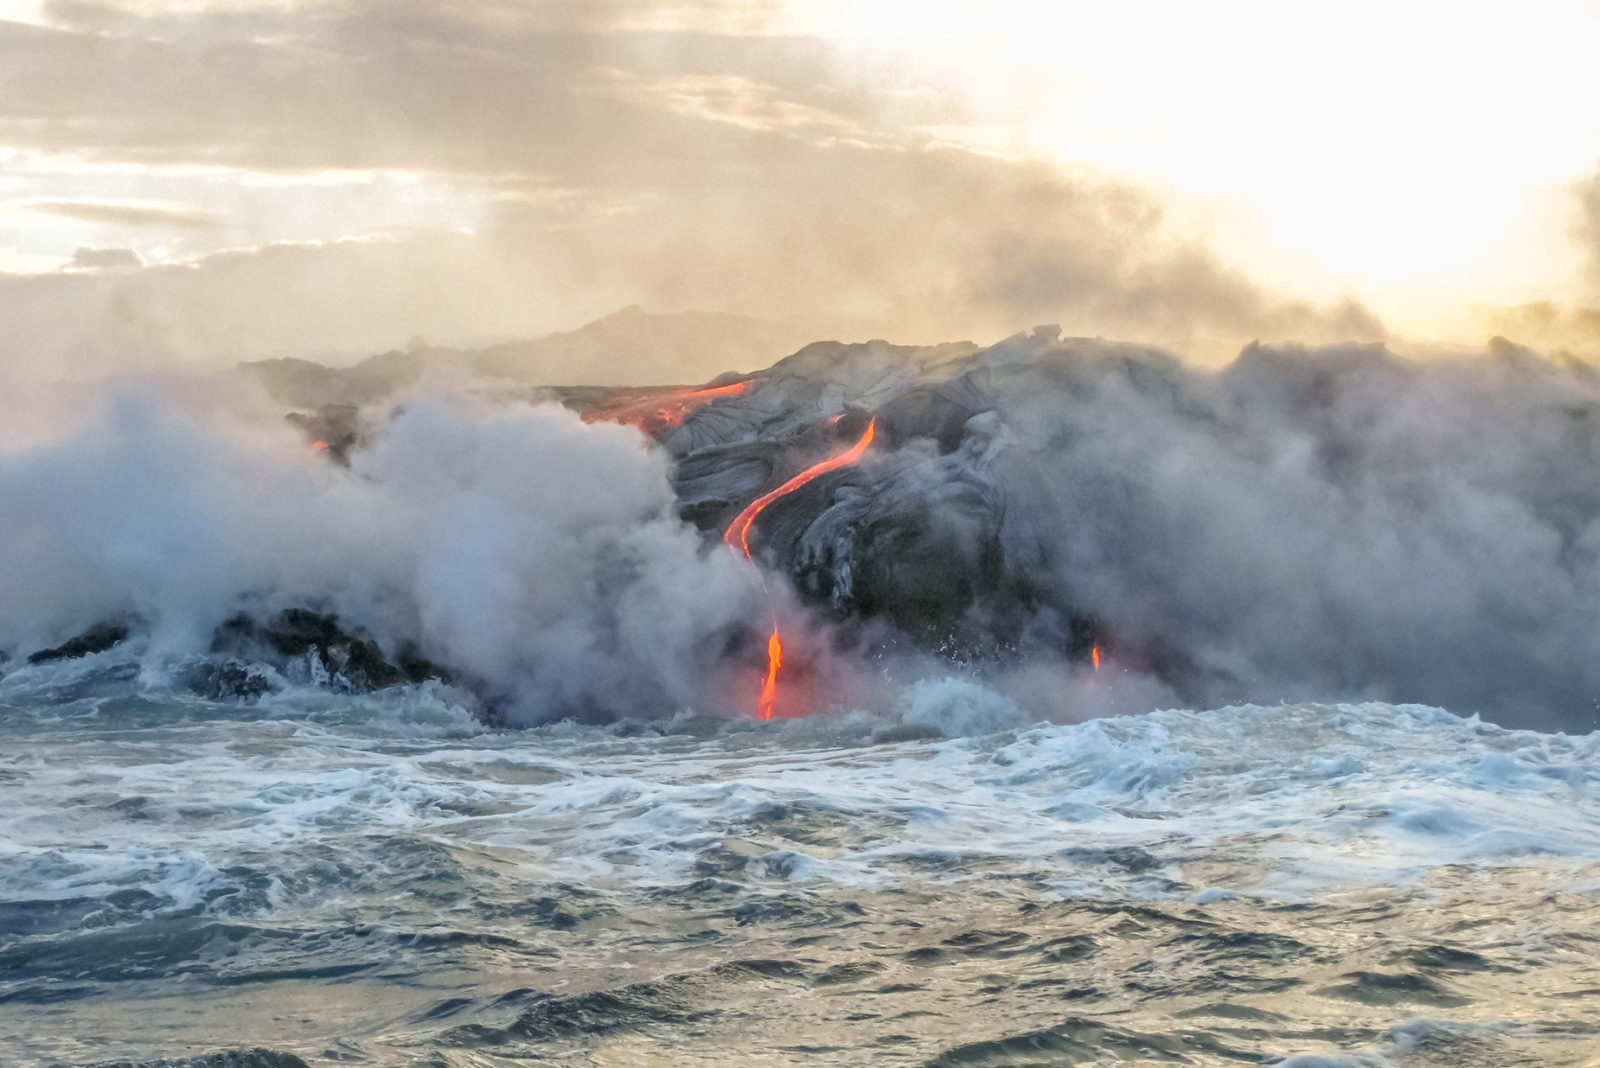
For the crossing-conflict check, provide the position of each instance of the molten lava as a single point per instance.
(769, 688)
(656, 412)
(738, 536)
(1096, 656)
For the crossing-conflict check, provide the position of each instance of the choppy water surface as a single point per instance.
(385, 881)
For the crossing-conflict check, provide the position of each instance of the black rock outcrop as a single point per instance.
(97, 639)
(352, 659)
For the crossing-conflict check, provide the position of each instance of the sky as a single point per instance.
(192, 182)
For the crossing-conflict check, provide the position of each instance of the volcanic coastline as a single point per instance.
(1288, 525)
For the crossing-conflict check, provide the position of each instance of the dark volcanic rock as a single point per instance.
(352, 657)
(923, 532)
(926, 548)
(937, 412)
(229, 680)
(333, 428)
(908, 732)
(97, 639)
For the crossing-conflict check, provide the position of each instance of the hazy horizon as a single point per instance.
(189, 183)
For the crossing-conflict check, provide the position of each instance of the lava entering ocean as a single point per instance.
(738, 536)
(1341, 522)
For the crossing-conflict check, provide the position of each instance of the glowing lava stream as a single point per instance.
(654, 413)
(738, 536)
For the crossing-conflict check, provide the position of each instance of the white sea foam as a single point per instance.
(1290, 802)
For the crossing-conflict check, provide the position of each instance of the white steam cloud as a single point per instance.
(1303, 524)
(539, 556)
(1333, 523)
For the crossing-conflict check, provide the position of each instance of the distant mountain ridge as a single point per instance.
(630, 347)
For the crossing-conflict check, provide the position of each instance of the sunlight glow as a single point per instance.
(1396, 144)
(21, 11)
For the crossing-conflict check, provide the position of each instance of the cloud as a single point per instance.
(719, 169)
(1571, 323)
(1547, 324)
(105, 258)
(132, 215)
(427, 89)
(922, 246)
(340, 300)
(739, 102)
(175, 17)
(933, 243)
(1588, 230)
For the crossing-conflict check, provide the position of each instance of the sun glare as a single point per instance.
(21, 11)
(1393, 145)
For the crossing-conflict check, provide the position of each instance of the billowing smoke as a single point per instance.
(1324, 523)
(536, 556)
(1569, 322)
(1589, 230)
(1334, 523)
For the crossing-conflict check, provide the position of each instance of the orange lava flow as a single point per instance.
(654, 414)
(738, 533)
(769, 688)
(738, 536)
(1096, 655)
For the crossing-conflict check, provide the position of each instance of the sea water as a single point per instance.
(385, 880)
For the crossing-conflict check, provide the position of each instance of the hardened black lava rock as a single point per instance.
(97, 639)
(229, 680)
(350, 655)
